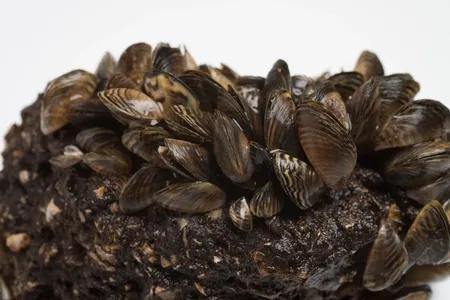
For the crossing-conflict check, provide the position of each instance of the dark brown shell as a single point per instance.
(137, 193)
(190, 124)
(62, 95)
(327, 144)
(422, 275)
(193, 197)
(415, 122)
(428, 238)
(144, 141)
(279, 120)
(108, 162)
(364, 111)
(298, 180)
(232, 149)
(387, 260)
(168, 59)
(369, 65)
(267, 201)
(194, 158)
(213, 96)
(96, 138)
(346, 83)
(278, 78)
(418, 165)
(107, 67)
(395, 90)
(135, 61)
(439, 190)
(328, 96)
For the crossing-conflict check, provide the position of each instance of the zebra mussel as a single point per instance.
(193, 138)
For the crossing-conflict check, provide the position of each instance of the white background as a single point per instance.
(40, 40)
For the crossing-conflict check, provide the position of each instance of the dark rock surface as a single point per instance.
(83, 247)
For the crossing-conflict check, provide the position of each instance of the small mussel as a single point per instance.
(192, 197)
(428, 238)
(232, 149)
(298, 180)
(267, 201)
(387, 260)
(138, 192)
(62, 95)
(240, 214)
(326, 142)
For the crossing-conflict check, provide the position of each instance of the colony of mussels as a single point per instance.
(198, 136)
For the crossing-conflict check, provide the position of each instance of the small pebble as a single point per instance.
(51, 211)
(24, 176)
(17, 242)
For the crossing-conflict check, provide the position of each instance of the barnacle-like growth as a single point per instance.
(194, 138)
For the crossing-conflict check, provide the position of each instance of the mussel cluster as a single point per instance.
(197, 135)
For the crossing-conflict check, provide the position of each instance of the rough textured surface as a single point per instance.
(82, 247)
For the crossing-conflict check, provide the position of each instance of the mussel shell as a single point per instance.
(250, 89)
(132, 106)
(328, 96)
(73, 89)
(415, 122)
(260, 155)
(108, 162)
(267, 201)
(439, 190)
(168, 59)
(428, 238)
(421, 275)
(137, 193)
(418, 165)
(232, 149)
(299, 180)
(278, 78)
(395, 91)
(96, 138)
(398, 87)
(346, 83)
(364, 111)
(217, 75)
(387, 260)
(121, 81)
(135, 61)
(191, 125)
(192, 157)
(327, 144)
(107, 67)
(279, 120)
(240, 214)
(170, 163)
(169, 90)
(369, 65)
(213, 96)
(192, 198)
(144, 141)
(71, 156)
(420, 293)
